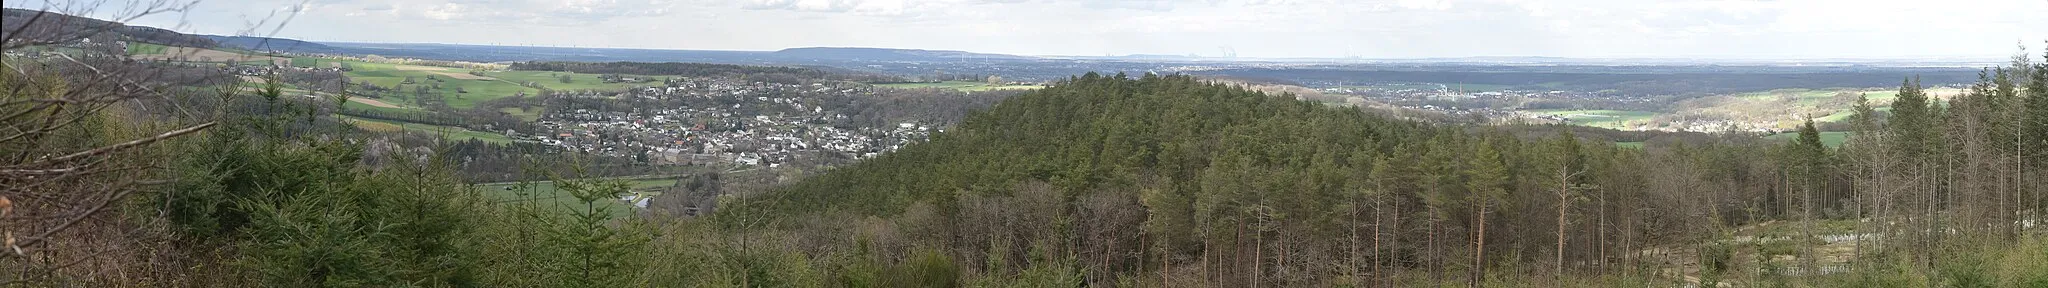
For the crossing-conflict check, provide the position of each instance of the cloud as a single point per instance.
(1255, 28)
(805, 5)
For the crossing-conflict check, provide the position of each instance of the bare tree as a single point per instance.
(59, 158)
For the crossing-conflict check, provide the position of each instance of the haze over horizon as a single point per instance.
(1828, 29)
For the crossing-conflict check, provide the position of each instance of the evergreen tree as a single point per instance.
(2035, 117)
(1486, 181)
(1912, 122)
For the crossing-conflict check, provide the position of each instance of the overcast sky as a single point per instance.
(1249, 28)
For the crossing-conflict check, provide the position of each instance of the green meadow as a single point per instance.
(139, 48)
(1831, 139)
(494, 85)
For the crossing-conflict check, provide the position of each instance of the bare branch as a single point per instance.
(125, 145)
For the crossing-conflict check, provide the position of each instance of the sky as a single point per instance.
(1778, 29)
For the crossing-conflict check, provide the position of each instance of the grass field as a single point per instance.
(481, 88)
(1825, 104)
(1615, 119)
(958, 85)
(1799, 96)
(139, 48)
(451, 133)
(312, 62)
(353, 104)
(170, 53)
(1831, 139)
(577, 81)
(392, 75)
(548, 194)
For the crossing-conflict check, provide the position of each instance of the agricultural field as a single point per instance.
(1613, 119)
(577, 81)
(189, 54)
(545, 192)
(1781, 109)
(360, 103)
(450, 79)
(968, 86)
(139, 48)
(1826, 105)
(1831, 139)
(451, 133)
(493, 85)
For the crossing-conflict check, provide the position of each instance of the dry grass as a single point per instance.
(372, 102)
(440, 71)
(378, 126)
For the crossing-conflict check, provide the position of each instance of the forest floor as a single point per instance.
(1771, 251)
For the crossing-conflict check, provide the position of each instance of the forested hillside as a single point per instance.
(60, 28)
(1167, 180)
(121, 173)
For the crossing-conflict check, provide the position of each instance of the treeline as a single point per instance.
(422, 117)
(665, 68)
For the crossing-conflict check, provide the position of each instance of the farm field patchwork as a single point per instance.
(491, 85)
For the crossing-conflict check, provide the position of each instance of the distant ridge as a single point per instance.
(269, 44)
(887, 54)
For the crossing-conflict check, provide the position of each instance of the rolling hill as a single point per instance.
(270, 44)
(47, 26)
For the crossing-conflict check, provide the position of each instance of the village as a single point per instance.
(723, 121)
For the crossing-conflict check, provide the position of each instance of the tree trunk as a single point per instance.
(1436, 265)
(1563, 196)
(1478, 248)
(1396, 242)
(1376, 224)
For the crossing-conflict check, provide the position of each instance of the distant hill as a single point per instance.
(886, 54)
(1094, 133)
(270, 44)
(54, 26)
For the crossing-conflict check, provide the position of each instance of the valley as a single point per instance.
(598, 151)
